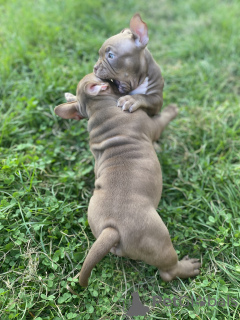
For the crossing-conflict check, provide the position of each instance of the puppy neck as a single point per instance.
(100, 103)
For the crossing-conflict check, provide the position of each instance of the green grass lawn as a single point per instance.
(46, 168)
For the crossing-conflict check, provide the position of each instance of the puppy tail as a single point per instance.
(106, 240)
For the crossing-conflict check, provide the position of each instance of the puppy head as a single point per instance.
(88, 89)
(121, 57)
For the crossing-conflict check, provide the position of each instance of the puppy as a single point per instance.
(126, 61)
(128, 181)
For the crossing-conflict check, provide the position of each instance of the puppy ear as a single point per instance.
(93, 89)
(68, 110)
(140, 30)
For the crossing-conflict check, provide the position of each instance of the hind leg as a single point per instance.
(156, 249)
(160, 121)
(172, 268)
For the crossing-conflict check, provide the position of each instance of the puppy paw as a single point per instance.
(128, 103)
(185, 268)
(172, 108)
(189, 267)
(70, 97)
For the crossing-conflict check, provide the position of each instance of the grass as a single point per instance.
(46, 168)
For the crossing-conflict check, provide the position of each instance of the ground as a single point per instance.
(46, 168)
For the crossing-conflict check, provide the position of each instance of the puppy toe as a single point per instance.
(197, 265)
(127, 105)
(121, 102)
(195, 260)
(134, 107)
(196, 272)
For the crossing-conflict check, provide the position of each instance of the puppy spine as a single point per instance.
(106, 240)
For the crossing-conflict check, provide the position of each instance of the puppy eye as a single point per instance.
(110, 55)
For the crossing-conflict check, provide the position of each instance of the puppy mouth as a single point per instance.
(121, 87)
(116, 82)
(118, 85)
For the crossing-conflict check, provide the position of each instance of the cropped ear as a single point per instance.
(68, 110)
(93, 89)
(140, 30)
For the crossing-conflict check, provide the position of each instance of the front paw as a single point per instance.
(128, 103)
(70, 97)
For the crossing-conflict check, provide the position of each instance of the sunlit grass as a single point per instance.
(46, 168)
